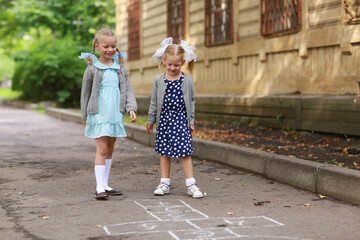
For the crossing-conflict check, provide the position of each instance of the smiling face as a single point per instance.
(173, 65)
(107, 47)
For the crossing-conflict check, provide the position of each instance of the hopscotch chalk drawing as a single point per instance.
(178, 220)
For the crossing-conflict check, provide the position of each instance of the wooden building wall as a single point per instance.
(323, 58)
(255, 77)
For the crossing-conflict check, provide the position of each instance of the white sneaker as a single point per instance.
(162, 189)
(194, 191)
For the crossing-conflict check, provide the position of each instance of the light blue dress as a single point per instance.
(109, 120)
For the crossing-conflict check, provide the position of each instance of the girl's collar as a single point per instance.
(182, 75)
(98, 64)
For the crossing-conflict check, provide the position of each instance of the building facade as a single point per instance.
(276, 63)
(248, 46)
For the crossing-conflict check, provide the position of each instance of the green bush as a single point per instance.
(50, 71)
(6, 66)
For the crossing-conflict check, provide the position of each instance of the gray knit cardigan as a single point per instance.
(90, 91)
(157, 99)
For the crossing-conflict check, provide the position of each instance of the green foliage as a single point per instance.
(335, 163)
(141, 120)
(78, 18)
(288, 129)
(50, 71)
(45, 37)
(41, 109)
(280, 116)
(9, 94)
(6, 67)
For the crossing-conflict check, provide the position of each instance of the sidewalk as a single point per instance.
(332, 181)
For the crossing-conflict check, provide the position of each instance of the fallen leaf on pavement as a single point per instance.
(217, 179)
(307, 204)
(322, 196)
(99, 226)
(230, 213)
(261, 203)
(45, 217)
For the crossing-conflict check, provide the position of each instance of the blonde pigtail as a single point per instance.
(190, 66)
(89, 60)
(121, 59)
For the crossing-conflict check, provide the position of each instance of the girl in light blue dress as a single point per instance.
(107, 122)
(106, 94)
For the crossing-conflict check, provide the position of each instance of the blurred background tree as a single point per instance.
(44, 38)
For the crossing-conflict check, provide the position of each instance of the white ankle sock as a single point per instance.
(189, 181)
(166, 181)
(107, 173)
(99, 175)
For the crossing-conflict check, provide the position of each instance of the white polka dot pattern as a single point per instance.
(173, 135)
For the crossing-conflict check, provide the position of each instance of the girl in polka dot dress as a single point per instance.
(172, 108)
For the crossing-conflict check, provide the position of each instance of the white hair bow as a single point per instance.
(157, 57)
(189, 50)
(159, 54)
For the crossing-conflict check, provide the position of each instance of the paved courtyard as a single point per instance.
(47, 185)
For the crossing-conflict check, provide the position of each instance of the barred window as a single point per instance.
(218, 22)
(134, 29)
(280, 17)
(176, 20)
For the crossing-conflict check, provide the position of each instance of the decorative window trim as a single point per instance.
(352, 11)
(176, 30)
(212, 16)
(279, 17)
(134, 29)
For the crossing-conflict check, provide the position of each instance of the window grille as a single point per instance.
(280, 17)
(176, 20)
(134, 29)
(218, 22)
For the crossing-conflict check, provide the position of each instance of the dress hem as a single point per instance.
(121, 136)
(173, 156)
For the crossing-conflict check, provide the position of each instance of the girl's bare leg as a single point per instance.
(101, 150)
(110, 147)
(165, 166)
(188, 166)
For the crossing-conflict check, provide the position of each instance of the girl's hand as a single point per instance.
(192, 127)
(84, 122)
(133, 116)
(149, 128)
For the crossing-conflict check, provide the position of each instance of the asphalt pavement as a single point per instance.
(47, 184)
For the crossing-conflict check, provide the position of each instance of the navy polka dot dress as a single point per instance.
(173, 135)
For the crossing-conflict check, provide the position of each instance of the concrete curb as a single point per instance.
(18, 104)
(336, 182)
